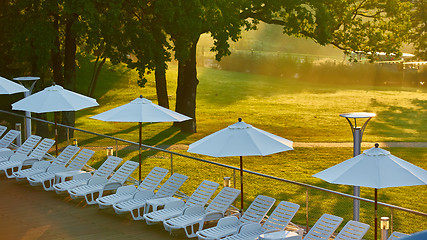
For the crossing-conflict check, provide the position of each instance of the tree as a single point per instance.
(368, 26)
(418, 35)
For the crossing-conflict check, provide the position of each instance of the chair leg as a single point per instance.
(138, 213)
(48, 184)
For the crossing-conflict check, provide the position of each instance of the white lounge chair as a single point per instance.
(194, 217)
(16, 162)
(6, 140)
(48, 178)
(175, 208)
(230, 225)
(96, 186)
(353, 230)
(41, 166)
(150, 183)
(81, 179)
(136, 205)
(278, 220)
(397, 235)
(2, 129)
(322, 230)
(23, 150)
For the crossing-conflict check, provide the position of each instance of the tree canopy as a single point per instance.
(44, 36)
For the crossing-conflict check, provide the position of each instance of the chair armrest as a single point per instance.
(228, 221)
(29, 161)
(193, 210)
(212, 216)
(112, 186)
(249, 227)
(97, 180)
(126, 189)
(81, 176)
(174, 204)
(55, 169)
(143, 194)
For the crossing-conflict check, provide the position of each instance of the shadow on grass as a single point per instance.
(407, 121)
(163, 139)
(112, 134)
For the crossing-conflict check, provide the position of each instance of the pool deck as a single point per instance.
(28, 212)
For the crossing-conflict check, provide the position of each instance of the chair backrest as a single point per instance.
(257, 210)
(202, 194)
(172, 185)
(123, 172)
(65, 156)
(153, 179)
(353, 230)
(41, 150)
(81, 159)
(28, 145)
(9, 138)
(324, 227)
(281, 216)
(397, 235)
(223, 200)
(2, 129)
(107, 167)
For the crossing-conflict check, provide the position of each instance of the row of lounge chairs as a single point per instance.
(143, 202)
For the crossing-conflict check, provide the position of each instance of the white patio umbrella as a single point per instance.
(54, 99)
(9, 87)
(140, 110)
(240, 139)
(375, 168)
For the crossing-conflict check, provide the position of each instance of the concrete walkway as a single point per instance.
(28, 212)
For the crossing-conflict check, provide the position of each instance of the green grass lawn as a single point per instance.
(296, 110)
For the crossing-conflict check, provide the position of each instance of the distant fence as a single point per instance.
(314, 201)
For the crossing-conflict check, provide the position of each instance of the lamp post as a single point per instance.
(357, 145)
(30, 87)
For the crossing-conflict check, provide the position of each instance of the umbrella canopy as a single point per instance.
(9, 87)
(54, 99)
(140, 110)
(240, 139)
(375, 168)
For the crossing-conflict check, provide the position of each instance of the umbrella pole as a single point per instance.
(241, 184)
(376, 201)
(140, 160)
(56, 133)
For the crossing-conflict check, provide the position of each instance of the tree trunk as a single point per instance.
(186, 90)
(55, 55)
(95, 76)
(68, 118)
(161, 85)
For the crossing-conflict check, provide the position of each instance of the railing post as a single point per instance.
(234, 178)
(306, 209)
(19, 138)
(391, 220)
(117, 149)
(171, 164)
(68, 137)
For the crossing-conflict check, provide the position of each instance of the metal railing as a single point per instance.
(305, 186)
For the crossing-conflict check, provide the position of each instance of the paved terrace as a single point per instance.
(28, 212)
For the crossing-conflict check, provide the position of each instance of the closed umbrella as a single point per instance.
(54, 99)
(140, 110)
(240, 139)
(375, 168)
(9, 87)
